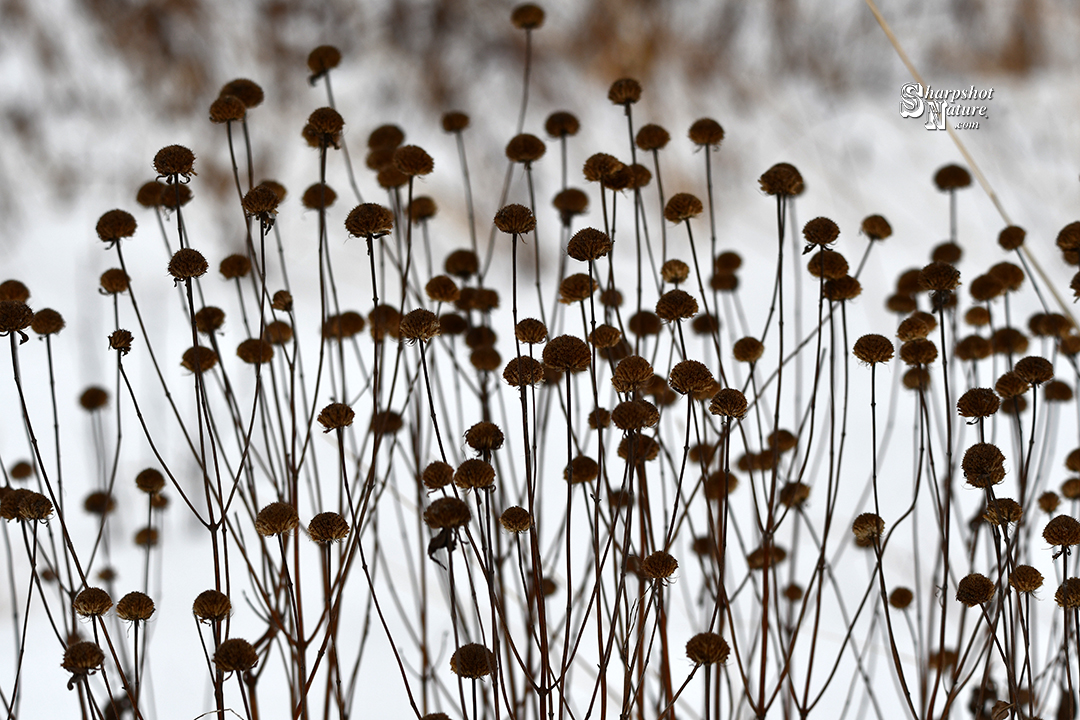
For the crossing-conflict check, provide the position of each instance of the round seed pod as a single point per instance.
(901, 597)
(199, 359)
(34, 506)
(952, 177)
(235, 266)
(645, 323)
(599, 418)
(235, 655)
(369, 220)
(114, 225)
(682, 206)
(209, 319)
(175, 160)
(384, 320)
(246, 90)
(577, 288)
(794, 494)
(211, 606)
(729, 403)
(99, 503)
(973, 347)
(1072, 461)
(419, 325)
(516, 520)
(486, 359)
(868, 527)
(1068, 238)
(876, 227)
(1057, 391)
(605, 336)
(1003, 511)
(707, 648)
(690, 376)
(978, 403)
(523, 371)
(530, 331)
(114, 281)
(918, 352)
(188, 263)
(762, 557)
(977, 316)
(15, 316)
(1014, 406)
(1069, 345)
(149, 194)
(705, 324)
(588, 244)
(706, 132)
(474, 474)
(447, 512)
(1025, 579)
(411, 160)
(386, 422)
(601, 167)
(567, 353)
(47, 322)
(442, 288)
(983, 465)
(82, 657)
(277, 518)
(1035, 370)
(675, 305)
(135, 607)
(901, 303)
(318, 197)
(526, 16)
(176, 196)
(828, 264)
(1068, 593)
(328, 527)
(474, 660)
(92, 602)
(985, 288)
(939, 276)
(561, 124)
(515, 219)
(336, 416)
(652, 137)
(454, 121)
(570, 203)
(582, 469)
(386, 136)
(94, 398)
(150, 481)
(323, 59)
(674, 271)
(624, 91)
(633, 415)
(121, 340)
(975, 589)
(632, 373)
(872, 349)
(1049, 501)
(21, 470)
(255, 351)
(1011, 237)
(422, 208)
(1062, 530)
(525, 149)
(278, 332)
(782, 179)
(484, 437)
(659, 565)
(947, 252)
(1010, 276)
(748, 350)
(841, 289)
(820, 231)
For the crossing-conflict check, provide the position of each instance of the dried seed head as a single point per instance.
(188, 263)
(674, 271)
(386, 422)
(317, 197)
(978, 403)
(828, 264)
(278, 332)
(121, 340)
(939, 276)
(198, 359)
(323, 59)
(729, 403)
(447, 512)
(675, 305)
(983, 465)
(454, 121)
(474, 660)
(246, 90)
(821, 231)
(599, 418)
(82, 657)
(841, 289)
(92, 602)
(336, 416)
(901, 303)
(624, 91)
(782, 179)
(645, 323)
(176, 196)
(985, 288)
(1069, 345)
(369, 220)
(345, 325)
(437, 475)
(235, 655)
(150, 481)
(174, 161)
(1011, 237)
(135, 606)
(947, 252)
(486, 359)
(1025, 579)
(633, 415)
(386, 136)
(15, 316)
(1072, 460)
(515, 219)
(653, 137)
(973, 347)
(21, 470)
(211, 605)
(255, 351)
(1068, 239)
(474, 474)
(419, 324)
(114, 225)
(632, 373)
(567, 352)
(749, 349)
(515, 520)
(682, 206)
(484, 437)
(601, 167)
(525, 149)
(227, 108)
(644, 448)
(577, 288)
(422, 208)
(561, 124)
(762, 557)
(14, 290)
(1009, 275)
(1057, 391)
(114, 281)
(235, 266)
(876, 227)
(442, 288)
(690, 376)
(1003, 511)
(384, 320)
(1014, 406)
(94, 398)
(918, 352)
(462, 264)
(582, 469)
(1062, 530)
(588, 244)
(99, 503)
(149, 194)
(794, 494)
(277, 518)
(526, 17)
(873, 349)
(868, 526)
(412, 160)
(707, 648)
(1035, 370)
(381, 158)
(33, 506)
(328, 527)
(975, 589)
(209, 319)
(605, 336)
(977, 316)
(1068, 593)
(659, 566)
(1049, 501)
(570, 203)
(952, 177)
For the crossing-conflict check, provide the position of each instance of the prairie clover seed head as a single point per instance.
(820, 231)
(209, 319)
(174, 162)
(115, 225)
(247, 91)
(567, 353)
(561, 124)
(473, 661)
(868, 526)
(978, 403)
(901, 597)
(235, 655)
(707, 648)
(318, 197)
(983, 465)
(419, 325)
(369, 220)
(255, 351)
(706, 132)
(1068, 593)
(659, 566)
(652, 137)
(277, 518)
(1035, 370)
(336, 416)
(92, 602)
(781, 179)
(1063, 531)
(1025, 579)
(328, 527)
(601, 168)
(454, 122)
(690, 377)
(120, 340)
(211, 606)
(412, 160)
(682, 206)
(80, 658)
(527, 16)
(474, 474)
(515, 520)
(227, 108)
(729, 403)
(187, 263)
(588, 244)
(876, 227)
(14, 290)
(582, 469)
(447, 512)
(975, 589)
(515, 219)
(15, 317)
(523, 371)
(952, 177)
(939, 277)
(675, 305)
(135, 607)
(484, 437)
(624, 91)
(873, 349)
(437, 475)
(525, 149)
(748, 350)
(322, 60)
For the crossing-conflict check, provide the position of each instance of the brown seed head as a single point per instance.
(1011, 237)
(211, 605)
(323, 59)
(1068, 593)
(454, 121)
(901, 303)
(461, 263)
(1062, 530)
(570, 203)
(682, 206)
(901, 597)
(389, 177)
(605, 336)
(729, 403)
(952, 177)
(632, 415)
(135, 606)
(386, 136)
(369, 220)
(821, 231)
(985, 288)
(1068, 238)
(873, 349)
(336, 416)
(975, 589)
(33, 506)
(1003, 511)
(515, 219)
(644, 448)
(92, 602)
(150, 481)
(82, 657)
(419, 324)
(748, 350)
(1057, 391)
(484, 437)
(14, 290)
(447, 512)
(188, 263)
(198, 359)
(918, 352)
(1009, 275)
(828, 264)
(525, 149)
(983, 465)
(939, 276)
(235, 655)
(653, 137)
(645, 323)
(1049, 501)
(227, 108)
(149, 194)
(114, 225)
(561, 124)
(121, 340)
(21, 470)
(94, 398)
(947, 252)
(318, 197)
(690, 376)
(576, 288)
(442, 288)
(235, 266)
(794, 494)
(601, 167)
(624, 91)
(384, 320)
(876, 227)
(114, 281)
(782, 179)
(674, 271)
(762, 556)
(675, 305)
(277, 518)
(526, 16)
(175, 161)
(474, 660)
(978, 403)
(328, 527)
(486, 359)
(868, 526)
(246, 90)
(413, 160)
(659, 566)
(841, 289)
(567, 352)
(588, 244)
(209, 319)
(973, 347)
(474, 474)
(707, 648)
(15, 316)
(254, 351)
(515, 520)
(632, 373)
(1025, 579)
(176, 196)
(1035, 370)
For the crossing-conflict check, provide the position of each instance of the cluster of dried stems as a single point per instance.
(654, 509)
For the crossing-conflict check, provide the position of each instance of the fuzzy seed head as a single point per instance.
(567, 353)
(527, 16)
(918, 352)
(447, 512)
(939, 276)
(632, 373)
(706, 132)
(676, 305)
(255, 351)
(135, 607)
(975, 589)
(821, 231)
(828, 264)
(114, 225)
(901, 597)
(336, 416)
(601, 167)
(561, 124)
(277, 518)
(1035, 370)
(474, 660)
(682, 206)
(484, 437)
(235, 655)
(188, 263)
(454, 122)
(876, 227)
(782, 179)
(516, 520)
(328, 527)
(983, 465)
(412, 160)
(748, 350)
(323, 59)
(515, 219)
(15, 316)
(175, 161)
(419, 325)
(689, 377)
(868, 527)
(872, 349)
(978, 403)
(1068, 593)
(952, 177)
(227, 108)
(633, 415)
(317, 197)
(1062, 530)
(588, 244)
(92, 602)
(659, 566)
(211, 606)
(82, 657)
(729, 403)
(474, 474)
(1003, 511)
(707, 648)
(94, 398)
(150, 481)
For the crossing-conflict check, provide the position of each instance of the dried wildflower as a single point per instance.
(644, 448)
(748, 350)
(34, 506)
(447, 512)
(978, 403)
(174, 161)
(900, 303)
(386, 422)
(975, 589)
(682, 206)
(474, 474)
(147, 537)
(983, 465)
(675, 305)
(601, 167)
(516, 520)
(872, 349)
(561, 124)
(977, 316)
(199, 359)
(321, 60)
(582, 469)
(624, 91)
(1010, 385)
(80, 658)
(246, 90)
(820, 231)
(422, 208)
(1011, 237)
(918, 352)
(577, 288)
(985, 288)
(15, 317)
(1068, 593)
(442, 288)
(973, 347)
(328, 527)
(952, 177)
(412, 160)
(94, 398)
(526, 16)
(14, 290)
(1069, 345)
(1009, 275)
(567, 353)
(659, 566)
(633, 415)
(569, 203)
(1049, 501)
(729, 403)
(707, 648)
(761, 557)
(868, 526)
(1035, 370)
(599, 418)
(21, 470)
(901, 597)
(480, 336)
(1057, 391)
(1014, 406)
(99, 503)
(525, 149)
(947, 252)
(939, 276)
(317, 197)
(254, 351)
(149, 194)
(113, 226)
(645, 323)
(235, 266)
(114, 281)
(674, 271)
(828, 264)
(209, 319)
(437, 475)
(706, 132)
(841, 289)
(419, 324)
(235, 655)
(794, 494)
(187, 263)
(135, 606)
(876, 227)
(588, 244)
(1003, 511)
(336, 416)
(486, 359)
(515, 219)
(605, 336)
(454, 121)
(380, 158)
(462, 264)
(227, 108)
(474, 660)
(92, 602)
(484, 437)
(176, 196)
(782, 179)
(632, 373)
(277, 518)
(369, 220)
(211, 605)
(390, 177)
(386, 136)
(690, 376)
(1025, 579)
(150, 481)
